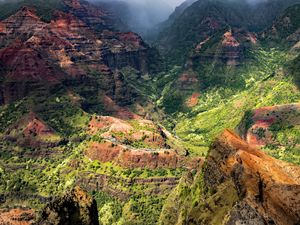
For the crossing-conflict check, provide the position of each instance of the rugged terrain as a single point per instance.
(238, 184)
(74, 111)
(86, 105)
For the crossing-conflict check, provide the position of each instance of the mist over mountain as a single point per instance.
(140, 16)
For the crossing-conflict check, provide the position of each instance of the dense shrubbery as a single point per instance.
(218, 108)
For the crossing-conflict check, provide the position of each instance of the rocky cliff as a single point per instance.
(75, 207)
(78, 44)
(238, 184)
(137, 143)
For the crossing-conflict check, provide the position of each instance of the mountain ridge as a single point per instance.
(97, 125)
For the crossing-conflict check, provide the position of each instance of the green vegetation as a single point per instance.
(287, 27)
(263, 83)
(37, 178)
(191, 200)
(37, 174)
(9, 114)
(294, 70)
(286, 142)
(29, 176)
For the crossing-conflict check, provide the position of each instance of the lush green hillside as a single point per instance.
(263, 76)
(264, 81)
(136, 140)
(37, 174)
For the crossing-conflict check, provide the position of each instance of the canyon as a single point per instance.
(197, 125)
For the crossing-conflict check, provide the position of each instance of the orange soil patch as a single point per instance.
(127, 158)
(193, 100)
(31, 125)
(112, 124)
(264, 117)
(17, 217)
(269, 185)
(229, 40)
(2, 28)
(104, 152)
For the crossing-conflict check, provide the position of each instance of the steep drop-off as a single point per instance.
(238, 184)
(39, 56)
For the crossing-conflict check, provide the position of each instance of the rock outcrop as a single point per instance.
(76, 207)
(135, 143)
(78, 44)
(17, 216)
(129, 157)
(268, 188)
(101, 182)
(239, 184)
(228, 49)
(138, 130)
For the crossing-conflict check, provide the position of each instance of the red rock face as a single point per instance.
(30, 131)
(2, 28)
(229, 50)
(131, 39)
(267, 186)
(24, 22)
(259, 133)
(129, 158)
(37, 128)
(104, 152)
(193, 100)
(125, 132)
(27, 64)
(37, 53)
(113, 109)
(92, 16)
(229, 40)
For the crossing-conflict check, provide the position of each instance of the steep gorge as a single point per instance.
(84, 103)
